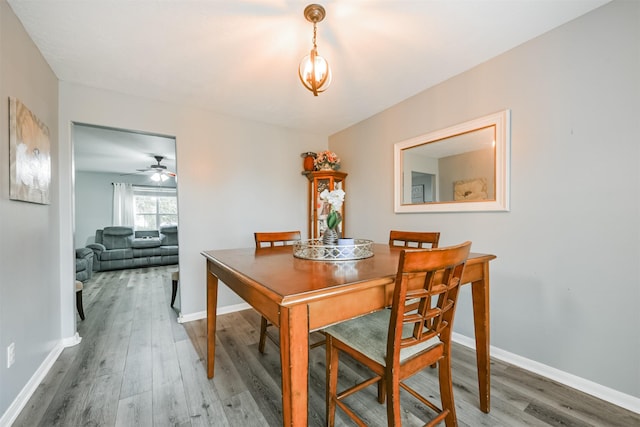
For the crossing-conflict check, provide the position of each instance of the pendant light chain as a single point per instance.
(314, 35)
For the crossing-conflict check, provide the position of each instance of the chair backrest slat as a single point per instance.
(414, 239)
(276, 238)
(432, 276)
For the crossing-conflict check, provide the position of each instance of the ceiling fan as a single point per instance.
(160, 172)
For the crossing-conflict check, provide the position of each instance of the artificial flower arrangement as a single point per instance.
(335, 198)
(327, 160)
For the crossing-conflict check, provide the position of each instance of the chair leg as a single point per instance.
(392, 386)
(79, 304)
(263, 333)
(446, 391)
(174, 291)
(382, 391)
(332, 381)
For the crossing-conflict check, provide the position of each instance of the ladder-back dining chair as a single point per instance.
(414, 239)
(395, 344)
(276, 238)
(269, 240)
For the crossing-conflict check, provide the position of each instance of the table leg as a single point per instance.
(294, 356)
(212, 303)
(480, 297)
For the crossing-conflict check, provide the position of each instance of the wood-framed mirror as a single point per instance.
(462, 168)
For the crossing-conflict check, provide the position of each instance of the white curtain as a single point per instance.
(123, 204)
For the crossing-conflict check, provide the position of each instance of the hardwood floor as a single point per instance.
(136, 366)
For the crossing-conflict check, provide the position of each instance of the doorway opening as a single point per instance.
(126, 179)
(422, 187)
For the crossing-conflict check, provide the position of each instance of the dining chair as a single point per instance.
(414, 239)
(276, 238)
(269, 240)
(396, 344)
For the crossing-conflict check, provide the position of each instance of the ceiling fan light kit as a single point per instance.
(314, 71)
(157, 177)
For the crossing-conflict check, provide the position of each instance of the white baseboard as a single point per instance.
(183, 318)
(71, 341)
(221, 310)
(27, 391)
(594, 389)
(233, 308)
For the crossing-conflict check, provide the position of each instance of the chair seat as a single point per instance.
(368, 335)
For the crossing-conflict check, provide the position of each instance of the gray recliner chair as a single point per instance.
(84, 264)
(169, 249)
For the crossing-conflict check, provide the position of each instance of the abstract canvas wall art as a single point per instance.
(30, 155)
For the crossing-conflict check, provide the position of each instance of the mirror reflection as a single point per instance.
(461, 168)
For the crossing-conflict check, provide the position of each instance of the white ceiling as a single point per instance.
(240, 57)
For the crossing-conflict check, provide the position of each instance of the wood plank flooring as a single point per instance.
(136, 366)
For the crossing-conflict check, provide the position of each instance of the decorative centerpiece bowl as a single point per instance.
(315, 249)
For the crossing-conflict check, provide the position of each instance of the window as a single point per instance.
(154, 206)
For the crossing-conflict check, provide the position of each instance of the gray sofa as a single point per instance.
(120, 247)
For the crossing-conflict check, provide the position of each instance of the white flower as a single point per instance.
(335, 198)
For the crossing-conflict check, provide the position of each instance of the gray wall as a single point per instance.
(566, 283)
(93, 205)
(30, 293)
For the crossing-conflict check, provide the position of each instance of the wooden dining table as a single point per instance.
(300, 296)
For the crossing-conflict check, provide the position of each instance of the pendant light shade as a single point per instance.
(314, 71)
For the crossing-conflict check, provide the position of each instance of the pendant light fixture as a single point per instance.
(314, 71)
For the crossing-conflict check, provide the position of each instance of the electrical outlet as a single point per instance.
(11, 354)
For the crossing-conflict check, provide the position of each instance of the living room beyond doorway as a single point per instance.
(124, 179)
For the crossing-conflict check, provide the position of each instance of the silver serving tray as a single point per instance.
(314, 249)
